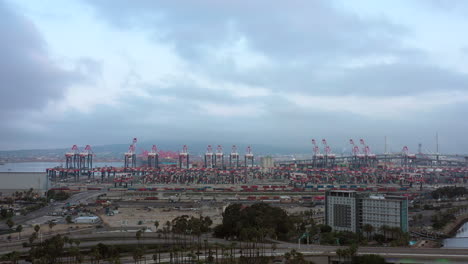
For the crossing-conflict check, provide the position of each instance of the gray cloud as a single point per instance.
(307, 42)
(309, 47)
(295, 30)
(28, 77)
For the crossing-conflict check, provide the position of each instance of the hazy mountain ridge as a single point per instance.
(117, 150)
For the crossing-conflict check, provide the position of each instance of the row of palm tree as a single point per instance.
(346, 253)
(387, 231)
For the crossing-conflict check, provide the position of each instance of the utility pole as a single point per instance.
(437, 143)
(385, 146)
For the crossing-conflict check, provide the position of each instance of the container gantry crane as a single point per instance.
(370, 159)
(234, 156)
(209, 157)
(184, 157)
(153, 157)
(130, 156)
(249, 157)
(219, 157)
(86, 158)
(72, 158)
(329, 157)
(356, 156)
(408, 158)
(318, 157)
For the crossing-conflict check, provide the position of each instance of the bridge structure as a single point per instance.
(360, 161)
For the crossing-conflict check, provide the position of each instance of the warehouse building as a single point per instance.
(87, 220)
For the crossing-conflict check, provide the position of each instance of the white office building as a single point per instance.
(350, 211)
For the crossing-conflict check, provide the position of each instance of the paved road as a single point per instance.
(451, 253)
(83, 197)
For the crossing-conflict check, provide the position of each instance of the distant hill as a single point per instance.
(115, 151)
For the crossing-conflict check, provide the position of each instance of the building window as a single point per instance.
(342, 215)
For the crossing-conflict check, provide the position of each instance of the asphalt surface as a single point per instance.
(119, 239)
(83, 197)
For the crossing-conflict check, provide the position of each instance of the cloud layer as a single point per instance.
(245, 72)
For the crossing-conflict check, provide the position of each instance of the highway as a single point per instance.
(83, 197)
(114, 238)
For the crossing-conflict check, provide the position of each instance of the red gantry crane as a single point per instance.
(219, 157)
(130, 156)
(86, 158)
(153, 157)
(249, 157)
(318, 157)
(184, 156)
(209, 157)
(72, 158)
(329, 157)
(234, 156)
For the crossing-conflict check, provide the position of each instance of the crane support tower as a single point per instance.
(72, 158)
(408, 159)
(249, 157)
(356, 155)
(317, 159)
(153, 158)
(369, 159)
(184, 160)
(130, 156)
(234, 157)
(209, 157)
(329, 158)
(86, 161)
(86, 158)
(219, 157)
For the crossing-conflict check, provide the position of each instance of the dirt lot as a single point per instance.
(130, 217)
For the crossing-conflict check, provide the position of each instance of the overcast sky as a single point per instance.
(269, 72)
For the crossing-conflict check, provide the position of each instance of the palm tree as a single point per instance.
(156, 225)
(368, 228)
(168, 225)
(396, 230)
(138, 236)
(116, 260)
(233, 250)
(340, 253)
(352, 250)
(384, 229)
(13, 257)
(192, 256)
(32, 237)
(51, 225)
(36, 229)
(10, 223)
(273, 248)
(96, 254)
(19, 228)
(157, 256)
(74, 252)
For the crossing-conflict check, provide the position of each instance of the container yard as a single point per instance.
(203, 184)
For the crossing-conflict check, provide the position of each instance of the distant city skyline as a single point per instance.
(269, 73)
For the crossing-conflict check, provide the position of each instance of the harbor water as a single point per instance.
(42, 166)
(460, 240)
